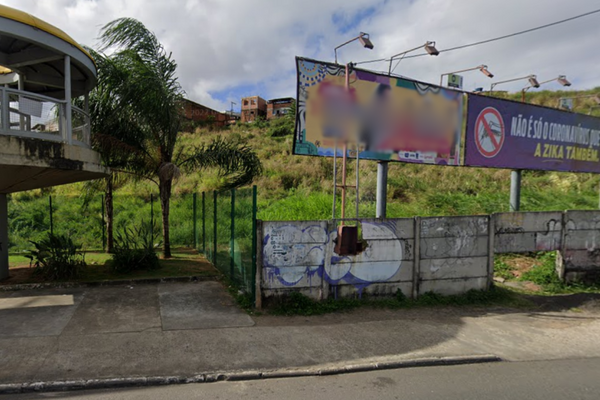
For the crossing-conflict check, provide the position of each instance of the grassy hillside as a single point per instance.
(300, 187)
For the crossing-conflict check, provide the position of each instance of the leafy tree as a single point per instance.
(138, 87)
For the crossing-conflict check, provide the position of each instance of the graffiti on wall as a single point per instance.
(294, 253)
(291, 253)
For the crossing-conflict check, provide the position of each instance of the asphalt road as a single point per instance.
(545, 380)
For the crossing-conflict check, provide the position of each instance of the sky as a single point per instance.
(228, 49)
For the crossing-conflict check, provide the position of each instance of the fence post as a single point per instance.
(417, 258)
(51, 222)
(103, 224)
(195, 241)
(491, 238)
(215, 228)
(254, 236)
(232, 237)
(152, 212)
(203, 223)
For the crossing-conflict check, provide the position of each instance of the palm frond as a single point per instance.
(151, 89)
(239, 164)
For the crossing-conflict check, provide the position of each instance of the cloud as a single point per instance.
(226, 48)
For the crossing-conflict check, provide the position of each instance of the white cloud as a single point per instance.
(225, 45)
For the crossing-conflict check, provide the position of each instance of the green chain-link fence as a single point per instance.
(226, 233)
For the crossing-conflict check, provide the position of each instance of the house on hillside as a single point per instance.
(253, 107)
(199, 113)
(279, 107)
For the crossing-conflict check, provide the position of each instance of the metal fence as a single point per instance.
(226, 233)
(220, 225)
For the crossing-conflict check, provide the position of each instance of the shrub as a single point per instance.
(135, 249)
(260, 123)
(281, 127)
(57, 257)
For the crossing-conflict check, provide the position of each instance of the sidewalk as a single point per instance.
(187, 329)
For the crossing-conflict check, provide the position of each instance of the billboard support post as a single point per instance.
(515, 190)
(345, 156)
(382, 175)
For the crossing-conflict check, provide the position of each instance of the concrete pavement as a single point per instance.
(534, 380)
(188, 330)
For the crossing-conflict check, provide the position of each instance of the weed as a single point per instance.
(57, 257)
(296, 303)
(135, 249)
(544, 274)
(502, 269)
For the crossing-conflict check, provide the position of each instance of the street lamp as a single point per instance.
(483, 68)
(531, 78)
(363, 38)
(428, 46)
(562, 79)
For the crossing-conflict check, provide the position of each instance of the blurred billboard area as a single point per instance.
(392, 118)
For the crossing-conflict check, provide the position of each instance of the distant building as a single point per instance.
(234, 116)
(199, 113)
(253, 107)
(279, 107)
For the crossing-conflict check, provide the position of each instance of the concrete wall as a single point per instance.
(579, 257)
(27, 163)
(447, 255)
(450, 256)
(527, 232)
(455, 254)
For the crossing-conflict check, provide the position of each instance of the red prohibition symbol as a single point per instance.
(489, 132)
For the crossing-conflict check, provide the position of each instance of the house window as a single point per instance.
(253, 102)
(245, 102)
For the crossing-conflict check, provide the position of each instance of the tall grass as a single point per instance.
(301, 187)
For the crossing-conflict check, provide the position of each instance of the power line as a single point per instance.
(493, 39)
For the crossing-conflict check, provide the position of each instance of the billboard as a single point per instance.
(391, 118)
(508, 134)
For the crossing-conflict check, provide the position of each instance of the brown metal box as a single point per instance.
(347, 240)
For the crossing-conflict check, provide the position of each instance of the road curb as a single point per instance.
(322, 370)
(142, 281)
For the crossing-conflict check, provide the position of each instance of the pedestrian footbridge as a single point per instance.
(45, 78)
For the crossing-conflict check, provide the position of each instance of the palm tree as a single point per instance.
(139, 92)
(118, 128)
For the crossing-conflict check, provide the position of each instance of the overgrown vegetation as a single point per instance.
(539, 268)
(138, 135)
(135, 248)
(57, 257)
(300, 187)
(298, 304)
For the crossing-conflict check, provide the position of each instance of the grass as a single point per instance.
(298, 304)
(300, 188)
(185, 262)
(539, 268)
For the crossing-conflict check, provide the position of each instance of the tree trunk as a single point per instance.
(108, 203)
(165, 197)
